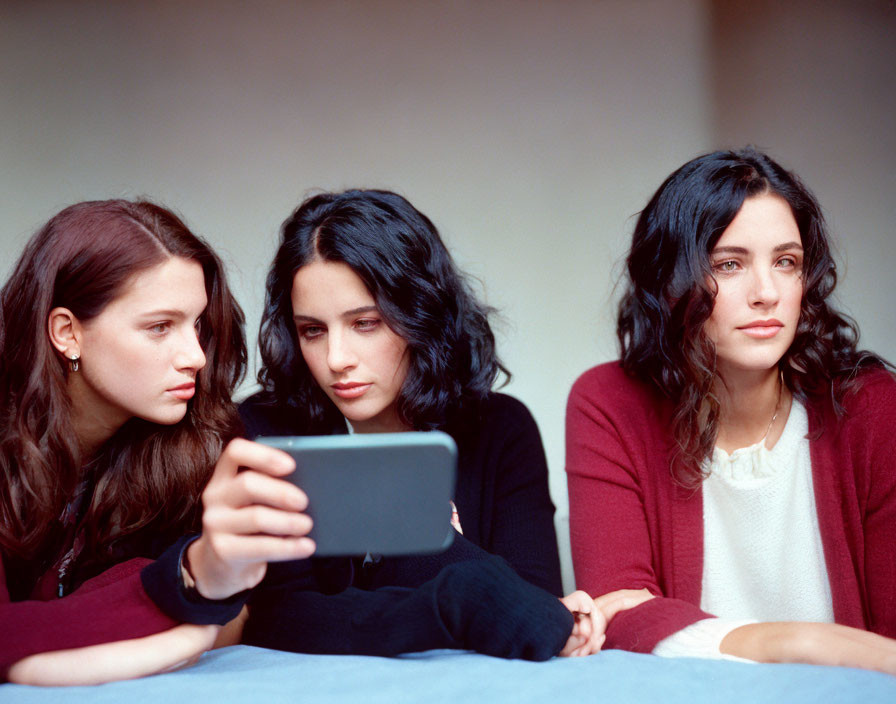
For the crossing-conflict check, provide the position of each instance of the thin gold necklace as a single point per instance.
(777, 408)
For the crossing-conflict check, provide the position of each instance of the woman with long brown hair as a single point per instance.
(120, 346)
(737, 462)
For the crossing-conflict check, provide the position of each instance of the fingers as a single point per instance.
(250, 517)
(584, 638)
(255, 519)
(258, 483)
(252, 487)
(612, 603)
(578, 602)
(593, 615)
(574, 643)
(262, 458)
(237, 550)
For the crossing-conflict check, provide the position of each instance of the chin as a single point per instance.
(170, 418)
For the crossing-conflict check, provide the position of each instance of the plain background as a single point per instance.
(530, 132)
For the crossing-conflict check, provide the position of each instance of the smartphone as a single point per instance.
(378, 493)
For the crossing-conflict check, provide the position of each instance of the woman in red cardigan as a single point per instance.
(737, 463)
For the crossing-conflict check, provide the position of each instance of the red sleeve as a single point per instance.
(613, 507)
(877, 421)
(112, 606)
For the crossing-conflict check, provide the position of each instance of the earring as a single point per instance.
(74, 361)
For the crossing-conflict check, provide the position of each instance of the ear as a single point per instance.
(64, 330)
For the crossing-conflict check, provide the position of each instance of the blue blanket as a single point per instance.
(245, 674)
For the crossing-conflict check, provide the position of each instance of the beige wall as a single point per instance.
(530, 132)
(814, 83)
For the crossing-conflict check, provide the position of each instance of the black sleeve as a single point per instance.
(522, 529)
(414, 570)
(162, 582)
(481, 605)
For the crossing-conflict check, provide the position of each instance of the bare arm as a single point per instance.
(813, 644)
(121, 660)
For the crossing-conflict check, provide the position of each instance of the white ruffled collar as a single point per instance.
(757, 461)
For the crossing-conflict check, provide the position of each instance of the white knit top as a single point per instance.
(762, 556)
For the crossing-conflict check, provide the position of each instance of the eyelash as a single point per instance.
(366, 324)
(791, 263)
(720, 266)
(310, 332)
(363, 325)
(163, 327)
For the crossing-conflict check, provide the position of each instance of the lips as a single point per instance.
(350, 389)
(762, 329)
(184, 392)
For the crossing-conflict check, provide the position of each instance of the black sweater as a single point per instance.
(462, 598)
(502, 495)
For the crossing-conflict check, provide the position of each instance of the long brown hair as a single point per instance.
(671, 294)
(147, 478)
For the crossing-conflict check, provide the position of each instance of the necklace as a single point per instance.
(777, 407)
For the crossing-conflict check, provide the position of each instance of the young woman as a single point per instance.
(120, 345)
(737, 462)
(369, 327)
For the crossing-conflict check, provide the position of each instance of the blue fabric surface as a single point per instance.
(245, 674)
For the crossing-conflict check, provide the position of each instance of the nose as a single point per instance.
(190, 355)
(340, 355)
(763, 288)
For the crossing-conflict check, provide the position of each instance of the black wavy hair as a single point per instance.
(671, 293)
(398, 254)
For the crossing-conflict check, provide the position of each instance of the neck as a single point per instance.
(92, 427)
(91, 433)
(381, 424)
(753, 406)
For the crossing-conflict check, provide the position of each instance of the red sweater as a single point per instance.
(631, 526)
(112, 606)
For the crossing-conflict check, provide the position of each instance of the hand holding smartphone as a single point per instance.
(382, 493)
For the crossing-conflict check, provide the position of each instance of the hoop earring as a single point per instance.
(74, 361)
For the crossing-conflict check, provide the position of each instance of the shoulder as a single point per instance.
(261, 415)
(609, 388)
(496, 418)
(502, 407)
(500, 423)
(875, 392)
(871, 399)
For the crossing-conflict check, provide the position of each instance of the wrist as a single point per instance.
(187, 580)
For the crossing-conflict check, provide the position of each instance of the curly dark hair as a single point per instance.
(670, 295)
(147, 477)
(398, 254)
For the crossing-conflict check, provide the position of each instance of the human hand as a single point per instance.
(250, 517)
(812, 643)
(612, 603)
(121, 660)
(587, 635)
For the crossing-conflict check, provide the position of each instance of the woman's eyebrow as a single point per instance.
(164, 313)
(306, 319)
(354, 311)
(730, 250)
(784, 247)
(362, 309)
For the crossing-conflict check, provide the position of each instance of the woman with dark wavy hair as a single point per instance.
(369, 327)
(737, 462)
(412, 351)
(120, 346)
